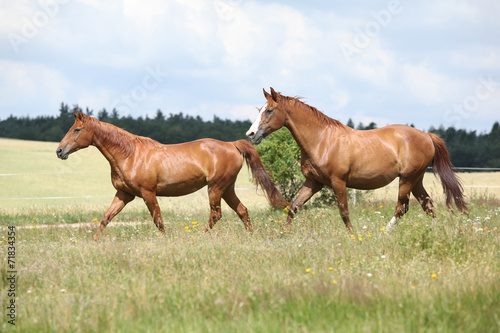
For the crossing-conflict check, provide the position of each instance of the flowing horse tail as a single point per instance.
(259, 173)
(441, 165)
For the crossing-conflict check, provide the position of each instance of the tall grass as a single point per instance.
(439, 275)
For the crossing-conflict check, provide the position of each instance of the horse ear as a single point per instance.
(266, 94)
(274, 94)
(78, 115)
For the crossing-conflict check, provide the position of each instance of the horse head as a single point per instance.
(272, 117)
(79, 136)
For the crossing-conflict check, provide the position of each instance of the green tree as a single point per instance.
(350, 123)
(280, 155)
(103, 115)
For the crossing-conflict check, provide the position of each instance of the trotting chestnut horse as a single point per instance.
(338, 156)
(142, 167)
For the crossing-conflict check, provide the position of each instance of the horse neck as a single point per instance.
(114, 143)
(307, 128)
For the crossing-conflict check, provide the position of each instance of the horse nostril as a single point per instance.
(59, 151)
(250, 134)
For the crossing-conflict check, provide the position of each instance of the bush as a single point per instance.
(280, 155)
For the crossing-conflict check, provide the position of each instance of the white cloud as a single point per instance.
(444, 11)
(428, 86)
(32, 86)
(484, 59)
(221, 53)
(244, 111)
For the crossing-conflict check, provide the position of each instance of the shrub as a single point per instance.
(280, 155)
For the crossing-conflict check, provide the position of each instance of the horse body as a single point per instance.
(374, 161)
(338, 156)
(142, 167)
(176, 170)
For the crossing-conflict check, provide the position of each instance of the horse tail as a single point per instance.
(441, 165)
(259, 173)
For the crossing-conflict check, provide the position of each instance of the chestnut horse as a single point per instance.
(338, 156)
(142, 167)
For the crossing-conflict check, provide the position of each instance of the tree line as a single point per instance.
(174, 128)
(466, 148)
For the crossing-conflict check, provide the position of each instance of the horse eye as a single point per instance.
(77, 130)
(269, 111)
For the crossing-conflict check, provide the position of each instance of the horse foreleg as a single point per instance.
(154, 210)
(306, 192)
(120, 200)
(402, 205)
(214, 197)
(234, 202)
(340, 191)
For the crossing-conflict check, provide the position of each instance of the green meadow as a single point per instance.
(428, 275)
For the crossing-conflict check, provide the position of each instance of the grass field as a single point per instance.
(439, 275)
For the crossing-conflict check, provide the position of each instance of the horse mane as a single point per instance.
(111, 135)
(323, 118)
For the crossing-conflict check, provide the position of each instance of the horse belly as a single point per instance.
(177, 185)
(180, 188)
(371, 181)
(370, 177)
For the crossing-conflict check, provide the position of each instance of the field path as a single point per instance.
(76, 225)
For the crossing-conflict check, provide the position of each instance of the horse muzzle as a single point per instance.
(255, 137)
(62, 154)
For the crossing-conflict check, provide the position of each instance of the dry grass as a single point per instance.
(440, 275)
(437, 275)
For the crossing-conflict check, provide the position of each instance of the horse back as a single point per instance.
(186, 167)
(373, 158)
(413, 149)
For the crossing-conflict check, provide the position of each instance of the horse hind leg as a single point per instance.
(423, 198)
(234, 202)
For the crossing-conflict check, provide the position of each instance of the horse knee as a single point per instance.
(242, 210)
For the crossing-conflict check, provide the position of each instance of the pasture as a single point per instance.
(439, 275)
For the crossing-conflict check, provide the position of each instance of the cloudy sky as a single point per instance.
(429, 63)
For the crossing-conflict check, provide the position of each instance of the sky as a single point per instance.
(427, 63)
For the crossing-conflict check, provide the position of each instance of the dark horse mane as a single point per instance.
(111, 135)
(323, 118)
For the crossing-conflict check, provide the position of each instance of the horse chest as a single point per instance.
(120, 183)
(310, 171)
